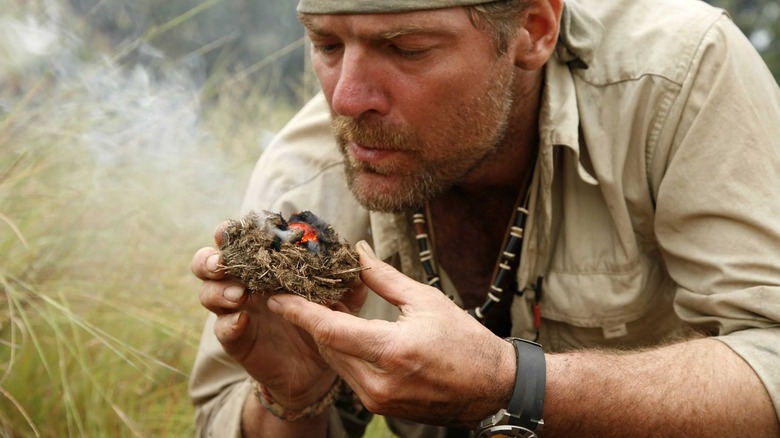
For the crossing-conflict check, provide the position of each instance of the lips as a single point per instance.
(370, 155)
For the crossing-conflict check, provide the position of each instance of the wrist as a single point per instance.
(522, 415)
(289, 411)
(527, 401)
(257, 421)
(294, 394)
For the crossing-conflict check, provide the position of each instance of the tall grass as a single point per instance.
(110, 178)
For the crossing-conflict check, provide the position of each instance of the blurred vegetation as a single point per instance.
(221, 36)
(759, 20)
(116, 162)
(128, 129)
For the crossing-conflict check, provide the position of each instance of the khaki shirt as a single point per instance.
(655, 204)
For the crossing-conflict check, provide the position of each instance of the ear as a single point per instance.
(538, 33)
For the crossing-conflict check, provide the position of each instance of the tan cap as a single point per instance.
(378, 6)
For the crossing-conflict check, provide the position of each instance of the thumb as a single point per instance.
(331, 329)
(299, 311)
(386, 281)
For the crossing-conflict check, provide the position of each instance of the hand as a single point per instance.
(274, 352)
(436, 364)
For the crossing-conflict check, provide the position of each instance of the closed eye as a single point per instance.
(408, 53)
(327, 49)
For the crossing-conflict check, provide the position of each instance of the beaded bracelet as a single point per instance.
(279, 411)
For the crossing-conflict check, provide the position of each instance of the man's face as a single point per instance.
(419, 100)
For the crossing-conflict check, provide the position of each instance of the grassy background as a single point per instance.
(99, 318)
(103, 200)
(112, 174)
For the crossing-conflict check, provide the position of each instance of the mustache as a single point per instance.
(374, 135)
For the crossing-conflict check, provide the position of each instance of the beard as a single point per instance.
(440, 154)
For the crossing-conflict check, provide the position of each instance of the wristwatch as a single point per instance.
(504, 424)
(523, 416)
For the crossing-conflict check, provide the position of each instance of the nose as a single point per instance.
(359, 87)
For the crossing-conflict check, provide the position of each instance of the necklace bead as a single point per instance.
(508, 258)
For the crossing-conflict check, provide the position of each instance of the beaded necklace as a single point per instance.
(507, 260)
(509, 257)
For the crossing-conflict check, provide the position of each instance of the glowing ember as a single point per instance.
(301, 255)
(309, 232)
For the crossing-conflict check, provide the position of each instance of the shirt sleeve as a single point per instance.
(218, 388)
(718, 198)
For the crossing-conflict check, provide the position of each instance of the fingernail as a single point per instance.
(212, 262)
(366, 248)
(236, 319)
(233, 293)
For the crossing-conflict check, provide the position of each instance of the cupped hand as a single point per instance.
(283, 357)
(435, 364)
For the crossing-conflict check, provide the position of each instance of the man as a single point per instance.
(634, 150)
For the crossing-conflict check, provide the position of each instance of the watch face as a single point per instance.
(506, 431)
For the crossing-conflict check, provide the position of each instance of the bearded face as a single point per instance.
(398, 167)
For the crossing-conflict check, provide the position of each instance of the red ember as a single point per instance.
(309, 232)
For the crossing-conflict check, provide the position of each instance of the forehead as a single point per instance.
(446, 22)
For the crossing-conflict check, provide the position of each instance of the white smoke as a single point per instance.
(145, 116)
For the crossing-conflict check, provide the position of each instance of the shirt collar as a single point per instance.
(580, 35)
(559, 120)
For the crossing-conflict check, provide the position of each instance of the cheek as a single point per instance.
(439, 98)
(426, 108)
(328, 77)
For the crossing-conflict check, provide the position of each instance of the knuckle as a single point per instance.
(199, 258)
(206, 296)
(212, 297)
(324, 333)
(199, 264)
(225, 331)
(378, 395)
(386, 270)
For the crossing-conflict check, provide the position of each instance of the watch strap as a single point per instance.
(527, 401)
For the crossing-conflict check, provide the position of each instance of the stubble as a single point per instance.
(439, 155)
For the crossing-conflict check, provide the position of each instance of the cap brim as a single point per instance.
(379, 6)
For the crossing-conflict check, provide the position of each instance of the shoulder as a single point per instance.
(650, 38)
(302, 169)
(655, 70)
(302, 152)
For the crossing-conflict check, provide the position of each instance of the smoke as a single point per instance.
(25, 43)
(141, 124)
(137, 115)
(114, 169)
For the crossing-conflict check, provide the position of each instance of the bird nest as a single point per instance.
(302, 256)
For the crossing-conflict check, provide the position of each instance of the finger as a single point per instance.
(355, 297)
(206, 264)
(337, 306)
(229, 328)
(388, 282)
(222, 296)
(219, 233)
(331, 329)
